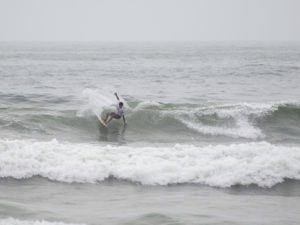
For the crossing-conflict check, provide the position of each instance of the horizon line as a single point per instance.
(151, 41)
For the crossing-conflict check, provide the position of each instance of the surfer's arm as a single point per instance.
(124, 119)
(117, 96)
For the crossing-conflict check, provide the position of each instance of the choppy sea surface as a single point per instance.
(212, 134)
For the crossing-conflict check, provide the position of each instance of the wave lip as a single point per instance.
(238, 120)
(259, 163)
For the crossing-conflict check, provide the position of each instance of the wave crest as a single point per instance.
(258, 163)
(256, 121)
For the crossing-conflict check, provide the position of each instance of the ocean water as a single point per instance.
(212, 134)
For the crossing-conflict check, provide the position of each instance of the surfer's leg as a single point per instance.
(107, 115)
(110, 118)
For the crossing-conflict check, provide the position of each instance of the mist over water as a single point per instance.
(208, 115)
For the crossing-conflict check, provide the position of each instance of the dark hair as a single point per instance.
(121, 103)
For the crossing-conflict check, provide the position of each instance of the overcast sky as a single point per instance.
(149, 20)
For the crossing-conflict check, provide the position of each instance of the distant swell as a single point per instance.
(12, 221)
(257, 163)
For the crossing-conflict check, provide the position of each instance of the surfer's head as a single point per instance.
(120, 104)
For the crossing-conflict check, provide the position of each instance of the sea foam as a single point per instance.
(259, 163)
(242, 115)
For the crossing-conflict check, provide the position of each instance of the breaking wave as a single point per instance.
(258, 163)
(253, 121)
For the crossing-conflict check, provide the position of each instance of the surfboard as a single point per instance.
(102, 121)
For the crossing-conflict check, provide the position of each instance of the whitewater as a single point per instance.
(259, 163)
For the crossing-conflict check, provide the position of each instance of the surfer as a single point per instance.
(115, 115)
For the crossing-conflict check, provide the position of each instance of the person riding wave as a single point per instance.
(115, 115)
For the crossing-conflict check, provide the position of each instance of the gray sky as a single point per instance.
(149, 20)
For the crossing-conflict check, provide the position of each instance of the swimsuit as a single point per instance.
(119, 112)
